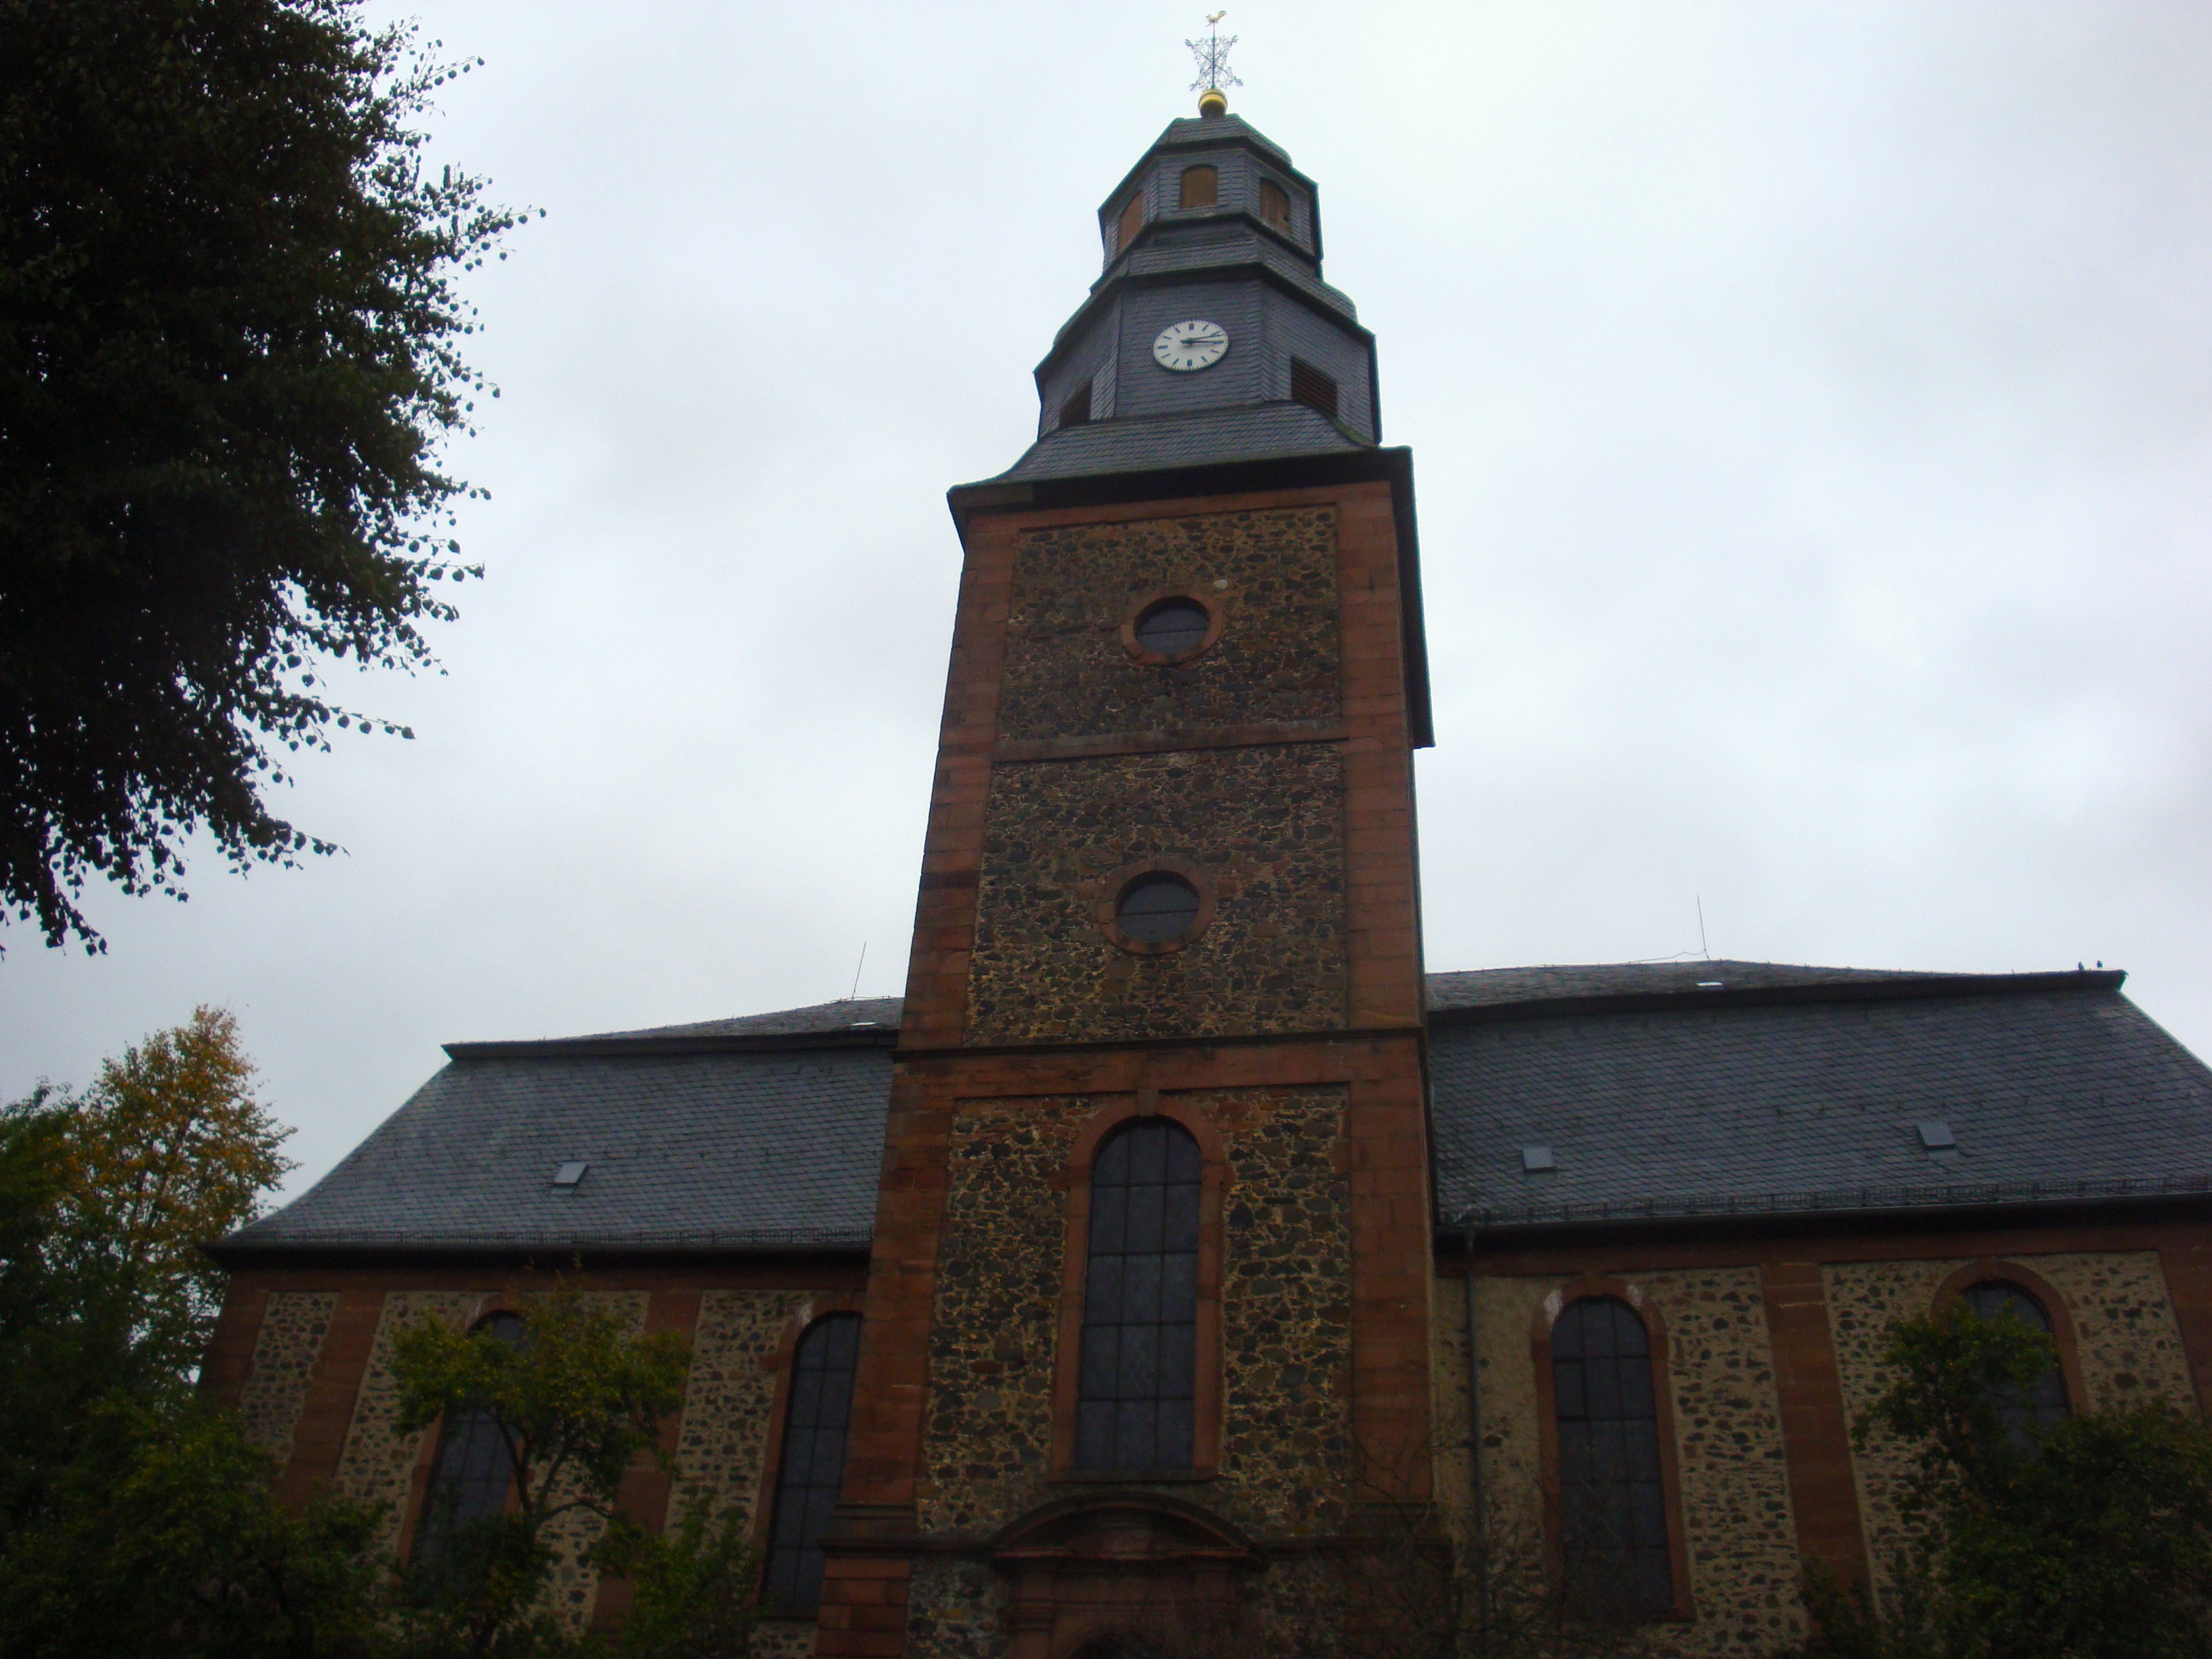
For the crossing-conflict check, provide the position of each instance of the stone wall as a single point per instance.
(1286, 1312)
(2129, 1345)
(1273, 572)
(1264, 825)
(987, 1426)
(379, 1461)
(721, 1447)
(1740, 1533)
(293, 1325)
(955, 1609)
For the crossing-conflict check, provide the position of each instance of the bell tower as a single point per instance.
(1148, 1312)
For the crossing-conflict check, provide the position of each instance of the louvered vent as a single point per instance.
(1310, 387)
(1131, 222)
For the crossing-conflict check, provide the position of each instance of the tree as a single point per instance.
(230, 333)
(164, 1537)
(105, 1197)
(167, 1150)
(135, 1517)
(574, 1403)
(2090, 1538)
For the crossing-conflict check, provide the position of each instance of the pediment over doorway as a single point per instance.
(1116, 1576)
(1128, 1528)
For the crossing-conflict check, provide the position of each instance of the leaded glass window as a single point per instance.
(1135, 1398)
(1156, 907)
(473, 1471)
(2025, 1407)
(1613, 1503)
(1174, 627)
(813, 1467)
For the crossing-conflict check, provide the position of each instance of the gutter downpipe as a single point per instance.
(1485, 1569)
(1471, 1227)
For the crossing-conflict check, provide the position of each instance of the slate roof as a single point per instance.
(1487, 986)
(1205, 437)
(850, 1015)
(1216, 129)
(1659, 1090)
(1788, 1090)
(756, 1147)
(1189, 250)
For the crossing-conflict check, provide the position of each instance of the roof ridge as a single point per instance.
(1551, 988)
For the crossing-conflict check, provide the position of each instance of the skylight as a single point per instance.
(570, 1174)
(1534, 1158)
(1937, 1137)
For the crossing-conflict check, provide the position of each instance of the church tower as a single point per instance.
(1148, 1310)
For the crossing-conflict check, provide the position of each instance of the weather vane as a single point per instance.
(1213, 72)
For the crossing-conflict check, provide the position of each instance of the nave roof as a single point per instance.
(1562, 1095)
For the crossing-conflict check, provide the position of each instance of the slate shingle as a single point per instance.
(1750, 1105)
(744, 1148)
(1205, 437)
(1784, 1089)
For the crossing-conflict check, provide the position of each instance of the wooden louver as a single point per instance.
(1131, 222)
(1310, 387)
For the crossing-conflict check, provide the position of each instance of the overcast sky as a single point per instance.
(1811, 407)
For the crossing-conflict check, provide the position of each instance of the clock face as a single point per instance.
(1185, 347)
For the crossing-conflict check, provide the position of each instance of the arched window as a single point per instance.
(1612, 1500)
(1275, 205)
(1201, 188)
(1136, 1382)
(812, 1466)
(2042, 1403)
(473, 1472)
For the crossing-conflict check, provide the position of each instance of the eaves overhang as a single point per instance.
(1913, 988)
(757, 1248)
(1243, 269)
(1840, 1211)
(607, 1048)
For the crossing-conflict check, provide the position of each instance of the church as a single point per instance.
(1178, 1233)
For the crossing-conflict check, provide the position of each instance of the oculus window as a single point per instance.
(1612, 1502)
(1156, 907)
(1135, 1395)
(812, 1466)
(1173, 628)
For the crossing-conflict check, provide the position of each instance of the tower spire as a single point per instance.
(1213, 70)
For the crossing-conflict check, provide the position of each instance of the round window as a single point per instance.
(1156, 907)
(1174, 627)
